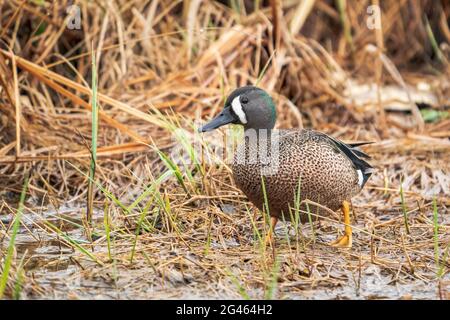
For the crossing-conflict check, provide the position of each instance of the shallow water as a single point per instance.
(53, 268)
(373, 287)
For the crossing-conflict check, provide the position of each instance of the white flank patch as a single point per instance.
(237, 108)
(360, 177)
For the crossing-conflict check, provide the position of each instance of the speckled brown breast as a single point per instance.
(327, 176)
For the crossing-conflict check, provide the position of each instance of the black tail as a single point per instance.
(356, 156)
(357, 144)
(359, 153)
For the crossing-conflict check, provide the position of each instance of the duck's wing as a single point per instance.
(352, 152)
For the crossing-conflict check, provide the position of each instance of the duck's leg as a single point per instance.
(269, 237)
(346, 240)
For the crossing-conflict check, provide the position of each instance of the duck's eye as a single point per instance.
(244, 100)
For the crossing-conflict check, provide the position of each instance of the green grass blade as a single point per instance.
(150, 189)
(94, 137)
(404, 209)
(433, 42)
(342, 5)
(255, 228)
(271, 288)
(103, 190)
(440, 272)
(263, 71)
(208, 237)
(236, 282)
(12, 240)
(176, 170)
(73, 242)
(106, 223)
(311, 222)
(139, 227)
(436, 231)
(19, 279)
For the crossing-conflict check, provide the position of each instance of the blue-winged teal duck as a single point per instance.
(297, 164)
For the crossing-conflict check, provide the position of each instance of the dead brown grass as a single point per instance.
(326, 70)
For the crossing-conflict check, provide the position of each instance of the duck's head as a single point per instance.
(249, 106)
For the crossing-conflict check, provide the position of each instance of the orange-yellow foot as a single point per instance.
(343, 242)
(346, 240)
(269, 238)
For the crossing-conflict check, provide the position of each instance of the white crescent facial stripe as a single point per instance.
(360, 177)
(237, 108)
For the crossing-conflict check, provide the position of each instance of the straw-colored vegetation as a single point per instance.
(94, 205)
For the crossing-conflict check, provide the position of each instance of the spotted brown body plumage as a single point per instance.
(309, 166)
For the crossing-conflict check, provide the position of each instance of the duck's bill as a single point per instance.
(225, 117)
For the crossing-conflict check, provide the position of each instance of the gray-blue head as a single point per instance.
(249, 106)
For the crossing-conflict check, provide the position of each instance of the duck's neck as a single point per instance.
(262, 133)
(259, 135)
